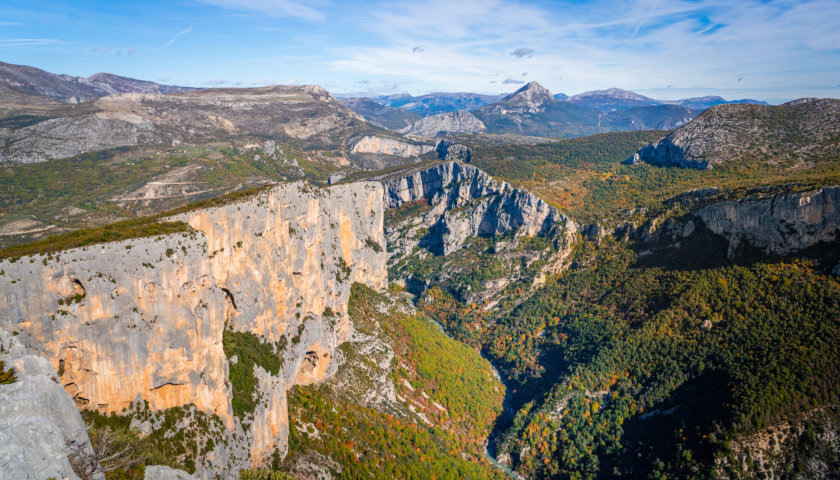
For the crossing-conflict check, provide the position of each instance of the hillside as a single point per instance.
(68, 89)
(378, 114)
(799, 131)
(122, 155)
(438, 102)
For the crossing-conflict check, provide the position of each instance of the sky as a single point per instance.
(772, 50)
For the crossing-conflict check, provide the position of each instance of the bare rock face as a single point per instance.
(144, 318)
(369, 150)
(451, 151)
(453, 123)
(780, 224)
(39, 424)
(467, 202)
(798, 129)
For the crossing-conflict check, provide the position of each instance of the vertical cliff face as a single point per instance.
(781, 224)
(145, 318)
(468, 202)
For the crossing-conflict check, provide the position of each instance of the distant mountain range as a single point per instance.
(27, 80)
(533, 110)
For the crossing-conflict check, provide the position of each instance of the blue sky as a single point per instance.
(765, 49)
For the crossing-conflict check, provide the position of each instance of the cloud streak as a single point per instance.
(277, 8)
(174, 37)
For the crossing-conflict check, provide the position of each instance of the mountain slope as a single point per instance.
(438, 102)
(803, 129)
(378, 114)
(532, 110)
(69, 89)
(611, 99)
(306, 115)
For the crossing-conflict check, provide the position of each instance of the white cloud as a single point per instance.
(776, 46)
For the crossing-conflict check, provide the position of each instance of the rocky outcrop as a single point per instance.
(144, 319)
(800, 129)
(451, 151)
(667, 154)
(454, 123)
(388, 146)
(39, 424)
(373, 152)
(781, 224)
(467, 202)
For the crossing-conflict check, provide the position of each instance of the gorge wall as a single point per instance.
(465, 202)
(144, 319)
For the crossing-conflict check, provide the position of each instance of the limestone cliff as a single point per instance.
(779, 224)
(144, 318)
(448, 215)
(368, 151)
(765, 222)
(467, 202)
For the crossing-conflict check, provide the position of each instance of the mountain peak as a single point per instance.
(532, 94)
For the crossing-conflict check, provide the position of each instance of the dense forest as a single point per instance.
(670, 364)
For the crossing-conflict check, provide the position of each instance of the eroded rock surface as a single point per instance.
(780, 224)
(467, 202)
(796, 130)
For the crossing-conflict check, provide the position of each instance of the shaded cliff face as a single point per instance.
(144, 319)
(781, 224)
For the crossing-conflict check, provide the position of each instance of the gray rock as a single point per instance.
(731, 132)
(467, 202)
(39, 423)
(160, 472)
(450, 151)
(452, 123)
(780, 224)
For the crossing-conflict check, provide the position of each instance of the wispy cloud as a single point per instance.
(29, 42)
(182, 32)
(512, 81)
(279, 8)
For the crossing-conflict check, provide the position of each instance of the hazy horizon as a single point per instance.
(765, 50)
